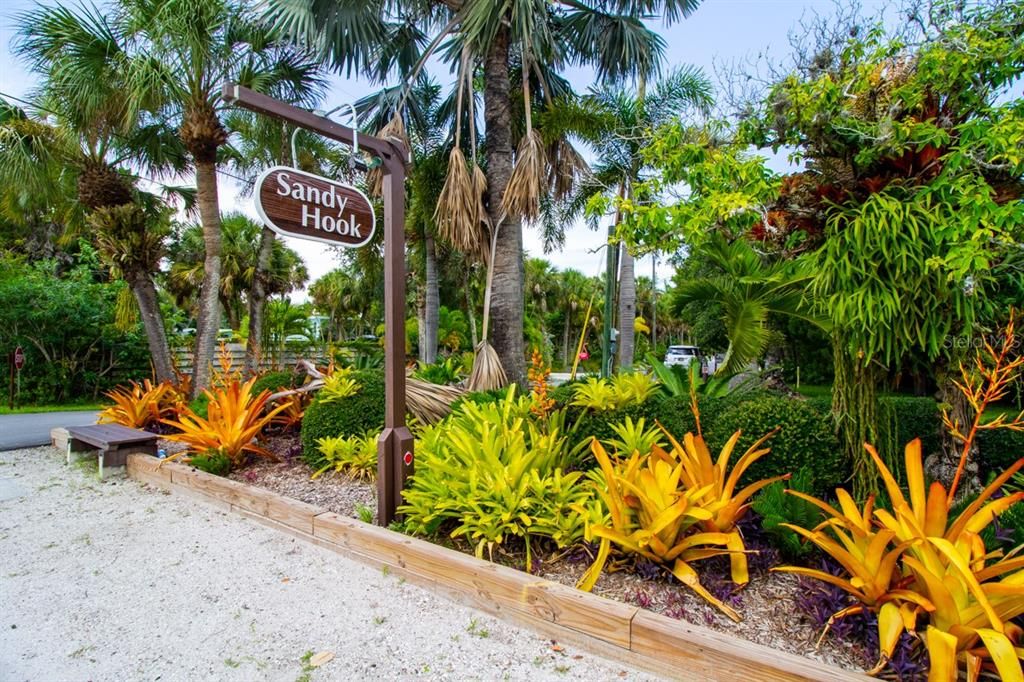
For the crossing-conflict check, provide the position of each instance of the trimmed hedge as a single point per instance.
(805, 439)
(276, 381)
(998, 449)
(352, 416)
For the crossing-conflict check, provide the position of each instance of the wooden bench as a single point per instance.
(114, 442)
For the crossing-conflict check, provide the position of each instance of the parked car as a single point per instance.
(681, 356)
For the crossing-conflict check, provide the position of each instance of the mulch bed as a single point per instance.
(766, 604)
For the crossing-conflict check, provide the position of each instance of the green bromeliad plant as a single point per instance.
(490, 472)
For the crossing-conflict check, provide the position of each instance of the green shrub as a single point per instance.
(563, 393)
(805, 438)
(904, 418)
(998, 449)
(351, 416)
(199, 405)
(277, 381)
(491, 471)
(212, 462)
(480, 397)
(775, 508)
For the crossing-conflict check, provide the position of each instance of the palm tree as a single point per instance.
(175, 56)
(90, 130)
(749, 289)
(242, 246)
(618, 121)
(426, 119)
(533, 39)
(256, 143)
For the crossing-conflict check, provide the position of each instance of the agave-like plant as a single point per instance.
(139, 405)
(674, 507)
(915, 561)
(234, 419)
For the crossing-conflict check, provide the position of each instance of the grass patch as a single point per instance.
(36, 409)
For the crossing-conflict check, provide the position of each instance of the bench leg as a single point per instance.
(68, 460)
(100, 459)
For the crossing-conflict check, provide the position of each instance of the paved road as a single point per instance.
(30, 430)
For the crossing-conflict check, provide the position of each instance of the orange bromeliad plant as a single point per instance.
(234, 419)
(139, 405)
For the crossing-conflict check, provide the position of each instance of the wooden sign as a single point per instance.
(294, 203)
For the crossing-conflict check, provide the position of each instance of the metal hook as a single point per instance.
(327, 114)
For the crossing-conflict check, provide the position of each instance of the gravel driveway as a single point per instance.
(117, 581)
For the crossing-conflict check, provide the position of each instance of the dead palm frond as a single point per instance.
(458, 206)
(457, 213)
(395, 129)
(565, 168)
(488, 374)
(522, 195)
(483, 224)
(430, 403)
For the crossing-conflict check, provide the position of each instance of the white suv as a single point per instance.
(682, 355)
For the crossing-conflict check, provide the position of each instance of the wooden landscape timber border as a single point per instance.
(604, 627)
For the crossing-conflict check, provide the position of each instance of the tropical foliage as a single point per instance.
(234, 418)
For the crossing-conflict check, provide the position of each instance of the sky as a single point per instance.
(720, 31)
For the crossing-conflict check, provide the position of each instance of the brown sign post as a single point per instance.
(294, 203)
(395, 447)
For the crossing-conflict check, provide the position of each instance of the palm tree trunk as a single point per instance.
(506, 307)
(654, 303)
(432, 300)
(627, 309)
(209, 299)
(470, 308)
(565, 336)
(153, 322)
(257, 301)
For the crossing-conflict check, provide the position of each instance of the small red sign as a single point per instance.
(19, 358)
(407, 458)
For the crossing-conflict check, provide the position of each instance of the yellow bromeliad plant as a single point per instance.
(674, 507)
(916, 563)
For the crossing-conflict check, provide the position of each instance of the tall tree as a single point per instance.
(99, 137)
(539, 38)
(242, 250)
(256, 143)
(175, 56)
(619, 121)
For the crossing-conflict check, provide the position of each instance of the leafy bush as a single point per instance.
(481, 397)
(776, 509)
(64, 319)
(351, 416)
(212, 462)
(804, 438)
(277, 381)
(199, 405)
(355, 456)
(446, 371)
(998, 449)
(599, 425)
(493, 472)
(235, 417)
